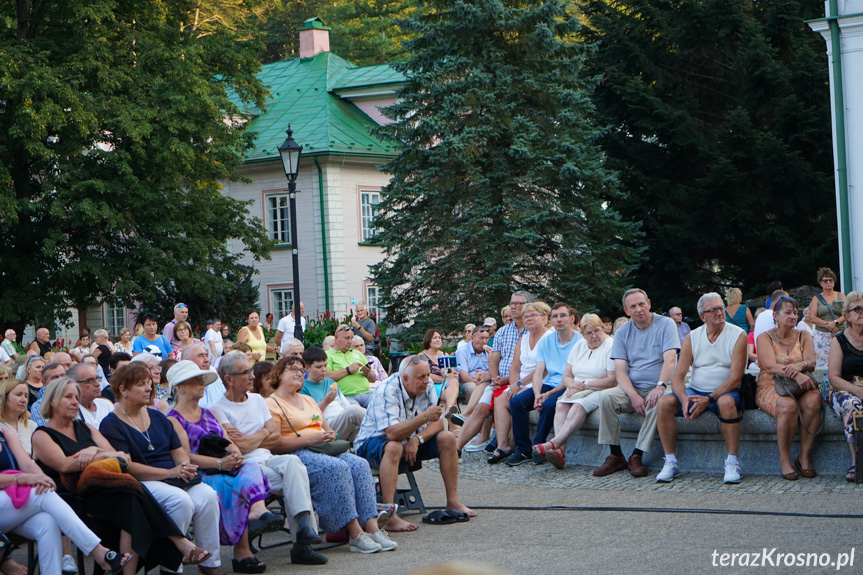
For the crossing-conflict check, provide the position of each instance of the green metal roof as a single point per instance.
(322, 122)
(369, 76)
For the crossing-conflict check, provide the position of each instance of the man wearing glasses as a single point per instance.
(472, 364)
(92, 408)
(717, 353)
(198, 354)
(349, 368)
(683, 328)
(181, 313)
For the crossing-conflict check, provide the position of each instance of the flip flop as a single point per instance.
(195, 556)
(439, 518)
(850, 475)
(460, 516)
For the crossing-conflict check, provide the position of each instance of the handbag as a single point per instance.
(788, 387)
(334, 448)
(213, 445)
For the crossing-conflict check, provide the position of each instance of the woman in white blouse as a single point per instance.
(589, 369)
(13, 409)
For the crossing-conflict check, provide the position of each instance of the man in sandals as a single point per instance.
(403, 422)
(717, 353)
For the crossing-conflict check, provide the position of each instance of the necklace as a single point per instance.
(144, 433)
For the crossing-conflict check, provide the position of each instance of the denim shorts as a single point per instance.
(372, 450)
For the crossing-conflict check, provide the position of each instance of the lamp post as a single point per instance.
(290, 152)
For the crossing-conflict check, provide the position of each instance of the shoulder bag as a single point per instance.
(334, 447)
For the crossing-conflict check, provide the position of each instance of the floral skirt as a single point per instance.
(236, 496)
(845, 405)
(821, 339)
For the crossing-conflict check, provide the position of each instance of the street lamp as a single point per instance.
(290, 152)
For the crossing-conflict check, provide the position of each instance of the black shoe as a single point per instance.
(305, 534)
(305, 555)
(457, 419)
(517, 458)
(492, 445)
(266, 523)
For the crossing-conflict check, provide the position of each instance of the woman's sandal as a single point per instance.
(556, 457)
(499, 455)
(248, 565)
(851, 474)
(807, 473)
(196, 555)
(542, 448)
(12, 567)
(115, 561)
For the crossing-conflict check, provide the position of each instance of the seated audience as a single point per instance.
(14, 415)
(589, 370)
(247, 421)
(445, 380)
(157, 455)
(546, 386)
(389, 423)
(327, 344)
(197, 354)
(343, 416)
(473, 368)
(159, 393)
(124, 345)
(261, 384)
(92, 407)
(50, 372)
(294, 347)
(66, 447)
(716, 351)
(185, 337)
(342, 487)
(242, 487)
(348, 367)
(359, 344)
(789, 352)
(33, 377)
(845, 372)
(43, 515)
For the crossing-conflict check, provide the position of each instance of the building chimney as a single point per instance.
(314, 38)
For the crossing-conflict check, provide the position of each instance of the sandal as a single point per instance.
(115, 561)
(196, 555)
(439, 517)
(12, 567)
(499, 456)
(556, 457)
(851, 474)
(542, 448)
(459, 516)
(248, 565)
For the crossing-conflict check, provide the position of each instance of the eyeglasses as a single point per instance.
(483, 329)
(827, 280)
(89, 380)
(516, 303)
(531, 315)
(34, 358)
(858, 309)
(714, 310)
(295, 369)
(244, 372)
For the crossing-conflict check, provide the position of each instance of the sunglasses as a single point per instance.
(344, 328)
(485, 329)
(181, 306)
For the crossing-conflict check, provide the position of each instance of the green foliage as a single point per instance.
(500, 185)
(112, 145)
(722, 140)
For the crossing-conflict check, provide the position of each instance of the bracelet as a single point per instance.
(806, 365)
(16, 479)
(219, 464)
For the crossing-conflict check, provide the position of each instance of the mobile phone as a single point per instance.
(446, 362)
(369, 363)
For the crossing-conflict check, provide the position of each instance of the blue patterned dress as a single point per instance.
(236, 493)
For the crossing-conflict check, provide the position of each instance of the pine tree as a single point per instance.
(500, 185)
(721, 136)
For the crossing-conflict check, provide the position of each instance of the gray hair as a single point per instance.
(54, 393)
(629, 292)
(187, 353)
(294, 342)
(143, 357)
(407, 364)
(72, 372)
(86, 355)
(528, 297)
(226, 365)
(703, 299)
(100, 333)
(8, 331)
(354, 340)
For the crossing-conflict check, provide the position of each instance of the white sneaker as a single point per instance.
(382, 538)
(475, 446)
(363, 543)
(668, 473)
(69, 566)
(732, 472)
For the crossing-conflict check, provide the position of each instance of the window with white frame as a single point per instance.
(372, 300)
(115, 319)
(279, 218)
(281, 302)
(369, 201)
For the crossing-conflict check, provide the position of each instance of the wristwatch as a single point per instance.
(711, 400)
(420, 438)
(663, 384)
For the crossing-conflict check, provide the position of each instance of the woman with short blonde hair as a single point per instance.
(736, 312)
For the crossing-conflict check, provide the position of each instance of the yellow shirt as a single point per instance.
(258, 344)
(305, 420)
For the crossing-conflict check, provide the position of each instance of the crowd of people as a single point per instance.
(183, 433)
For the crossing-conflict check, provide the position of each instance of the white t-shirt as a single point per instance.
(216, 338)
(528, 356)
(588, 364)
(460, 345)
(94, 418)
(286, 326)
(248, 417)
(763, 322)
(212, 392)
(711, 362)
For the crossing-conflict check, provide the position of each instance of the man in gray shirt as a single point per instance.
(644, 354)
(365, 327)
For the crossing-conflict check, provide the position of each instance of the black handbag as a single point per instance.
(215, 446)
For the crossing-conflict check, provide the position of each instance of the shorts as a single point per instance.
(713, 407)
(372, 450)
